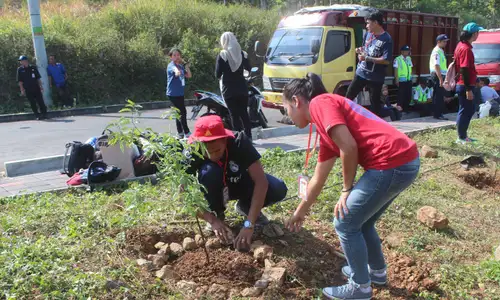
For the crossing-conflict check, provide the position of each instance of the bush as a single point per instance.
(115, 52)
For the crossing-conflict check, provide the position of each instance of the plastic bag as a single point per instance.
(484, 110)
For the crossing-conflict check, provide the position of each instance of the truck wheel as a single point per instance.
(262, 120)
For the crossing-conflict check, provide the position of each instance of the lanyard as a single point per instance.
(309, 153)
(372, 38)
(225, 168)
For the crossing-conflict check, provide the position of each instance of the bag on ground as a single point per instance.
(80, 157)
(100, 172)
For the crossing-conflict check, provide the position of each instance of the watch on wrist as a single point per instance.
(247, 224)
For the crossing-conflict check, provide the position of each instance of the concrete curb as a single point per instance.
(91, 110)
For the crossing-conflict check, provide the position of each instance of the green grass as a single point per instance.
(66, 245)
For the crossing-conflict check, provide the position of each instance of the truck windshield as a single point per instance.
(486, 53)
(294, 46)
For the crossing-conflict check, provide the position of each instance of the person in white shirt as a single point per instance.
(487, 93)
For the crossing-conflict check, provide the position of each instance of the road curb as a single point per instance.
(91, 110)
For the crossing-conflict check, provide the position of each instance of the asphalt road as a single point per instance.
(34, 139)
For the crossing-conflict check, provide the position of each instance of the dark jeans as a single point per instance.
(181, 121)
(237, 106)
(210, 176)
(391, 112)
(437, 97)
(404, 95)
(64, 97)
(465, 112)
(357, 86)
(425, 109)
(35, 98)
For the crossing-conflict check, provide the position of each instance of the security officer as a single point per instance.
(30, 84)
(422, 98)
(402, 77)
(438, 68)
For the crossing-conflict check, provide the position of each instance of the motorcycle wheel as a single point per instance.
(262, 120)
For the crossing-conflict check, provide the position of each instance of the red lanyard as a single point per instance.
(372, 38)
(225, 168)
(309, 153)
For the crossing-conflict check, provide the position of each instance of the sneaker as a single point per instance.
(180, 136)
(376, 277)
(187, 135)
(351, 291)
(465, 141)
(262, 220)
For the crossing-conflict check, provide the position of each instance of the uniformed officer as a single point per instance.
(438, 68)
(402, 77)
(30, 84)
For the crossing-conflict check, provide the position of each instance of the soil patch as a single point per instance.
(479, 178)
(141, 241)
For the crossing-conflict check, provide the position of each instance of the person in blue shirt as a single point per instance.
(59, 77)
(373, 57)
(177, 72)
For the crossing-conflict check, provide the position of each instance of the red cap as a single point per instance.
(209, 128)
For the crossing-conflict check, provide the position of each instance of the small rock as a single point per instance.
(214, 243)
(114, 284)
(432, 218)
(394, 240)
(396, 270)
(268, 264)
(429, 152)
(251, 292)
(276, 276)
(164, 250)
(201, 291)
(262, 283)
(272, 230)
(284, 243)
(199, 240)
(158, 260)
(497, 254)
(145, 264)
(163, 254)
(262, 252)
(187, 287)
(255, 245)
(176, 249)
(189, 244)
(234, 293)
(167, 272)
(218, 291)
(159, 245)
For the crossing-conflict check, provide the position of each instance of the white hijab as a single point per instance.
(231, 50)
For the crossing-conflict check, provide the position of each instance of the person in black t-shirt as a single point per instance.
(231, 169)
(30, 84)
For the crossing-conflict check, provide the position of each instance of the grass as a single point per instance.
(67, 245)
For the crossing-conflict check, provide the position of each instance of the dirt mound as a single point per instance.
(479, 178)
(141, 241)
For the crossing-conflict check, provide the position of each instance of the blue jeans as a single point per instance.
(437, 97)
(371, 196)
(210, 176)
(465, 112)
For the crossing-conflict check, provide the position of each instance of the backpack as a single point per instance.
(495, 108)
(450, 81)
(80, 157)
(100, 172)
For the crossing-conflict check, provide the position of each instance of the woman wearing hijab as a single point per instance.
(229, 67)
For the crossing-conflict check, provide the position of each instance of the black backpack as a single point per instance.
(80, 157)
(100, 172)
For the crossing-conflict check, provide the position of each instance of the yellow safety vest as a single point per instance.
(404, 69)
(421, 94)
(442, 60)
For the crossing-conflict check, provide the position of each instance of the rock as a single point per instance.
(275, 276)
(187, 287)
(176, 249)
(251, 292)
(199, 240)
(262, 283)
(268, 264)
(497, 254)
(429, 152)
(262, 252)
(234, 293)
(164, 250)
(145, 264)
(201, 291)
(255, 245)
(431, 217)
(272, 230)
(167, 272)
(218, 291)
(114, 284)
(214, 243)
(189, 244)
(159, 245)
(163, 254)
(158, 260)
(284, 243)
(394, 240)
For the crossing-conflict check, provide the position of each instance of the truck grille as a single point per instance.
(278, 84)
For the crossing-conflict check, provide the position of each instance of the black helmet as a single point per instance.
(22, 57)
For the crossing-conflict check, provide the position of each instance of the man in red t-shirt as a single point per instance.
(464, 63)
(358, 137)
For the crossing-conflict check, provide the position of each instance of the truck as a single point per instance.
(323, 40)
(487, 56)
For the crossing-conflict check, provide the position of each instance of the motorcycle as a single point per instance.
(215, 103)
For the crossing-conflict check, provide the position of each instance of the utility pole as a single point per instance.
(39, 45)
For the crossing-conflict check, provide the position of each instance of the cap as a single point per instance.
(22, 57)
(209, 128)
(442, 37)
(405, 48)
(472, 27)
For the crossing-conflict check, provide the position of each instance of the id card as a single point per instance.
(303, 183)
(32, 75)
(225, 193)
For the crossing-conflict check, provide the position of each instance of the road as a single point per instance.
(33, 139)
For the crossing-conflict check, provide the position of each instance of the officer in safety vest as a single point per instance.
(402, 77)
(438, 68)
(422, 97)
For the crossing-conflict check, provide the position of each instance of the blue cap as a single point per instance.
(442, 37)
(405, 48)
(22, 57)
(472, 27)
